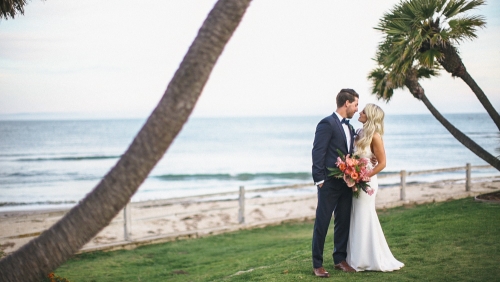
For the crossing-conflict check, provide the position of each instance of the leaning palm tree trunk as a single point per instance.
(56, 245)
(418, 92)
(461, 137)
(453, 64)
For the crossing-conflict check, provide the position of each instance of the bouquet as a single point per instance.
(354, 170)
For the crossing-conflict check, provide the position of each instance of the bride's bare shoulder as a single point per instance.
(377, 140)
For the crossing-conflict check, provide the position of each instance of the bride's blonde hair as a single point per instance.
(374, 123)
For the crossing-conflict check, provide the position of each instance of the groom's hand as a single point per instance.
(374, 160)
(320, 185)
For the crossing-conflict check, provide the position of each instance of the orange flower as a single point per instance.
(342, 167)
(354, 175)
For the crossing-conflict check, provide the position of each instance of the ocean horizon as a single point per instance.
(56, 162)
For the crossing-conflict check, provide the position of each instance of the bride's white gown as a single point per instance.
(367, 248)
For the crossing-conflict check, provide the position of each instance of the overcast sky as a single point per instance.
(288, 57)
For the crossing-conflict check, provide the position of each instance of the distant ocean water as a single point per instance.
(55, 163)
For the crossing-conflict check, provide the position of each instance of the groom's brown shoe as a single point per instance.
(344, 266)
(321, 272)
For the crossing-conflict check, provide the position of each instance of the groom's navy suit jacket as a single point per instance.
(329, 137)
(333, 196)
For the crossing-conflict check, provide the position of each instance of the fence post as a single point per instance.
(241, 212)
(403, 185)
(467, 177)
(126, 222)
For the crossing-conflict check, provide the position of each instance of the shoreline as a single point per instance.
(40, 207)
(170, 219)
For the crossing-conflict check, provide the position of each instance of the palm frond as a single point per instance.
(453, 8)
(11, 8)
(429, 57)
(472, 5)
(465, 27)
(416, 34)
(456, 7)
(424, 9)
(440, 4)
(381, 87)
(424, 72)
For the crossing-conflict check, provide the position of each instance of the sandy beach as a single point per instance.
(166, 220)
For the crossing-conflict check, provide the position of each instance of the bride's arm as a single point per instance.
(379, 152)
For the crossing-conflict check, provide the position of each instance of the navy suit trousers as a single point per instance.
(333, 197)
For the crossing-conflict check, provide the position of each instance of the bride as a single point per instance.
(367, 248)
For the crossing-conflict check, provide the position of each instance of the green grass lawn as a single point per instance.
(450, 241)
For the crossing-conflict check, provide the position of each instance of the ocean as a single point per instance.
(55, 163)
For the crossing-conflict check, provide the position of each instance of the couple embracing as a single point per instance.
(359, 243)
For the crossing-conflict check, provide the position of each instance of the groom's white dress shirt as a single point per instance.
(346, 131)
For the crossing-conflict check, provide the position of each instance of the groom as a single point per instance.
(332, 133)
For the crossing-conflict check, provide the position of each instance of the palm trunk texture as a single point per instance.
(453, 64)
(56, 245)
(418, 92)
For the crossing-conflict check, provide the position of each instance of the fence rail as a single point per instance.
(240, 196)
(241, 192)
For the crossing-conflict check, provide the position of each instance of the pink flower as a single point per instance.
(339, 161)
(348, 180)
(354, 171)
(348, 170)
(349, 161)
(364, 174)
(363, 161)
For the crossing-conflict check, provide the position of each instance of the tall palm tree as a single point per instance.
(426, 30)
(384, 81)
(54, 246)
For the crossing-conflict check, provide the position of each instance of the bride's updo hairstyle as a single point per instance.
(374, 123)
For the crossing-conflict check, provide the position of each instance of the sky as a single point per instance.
(114, 59)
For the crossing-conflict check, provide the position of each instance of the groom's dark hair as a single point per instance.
(346, 95)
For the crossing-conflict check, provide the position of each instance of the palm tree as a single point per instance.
(11, 8)
(54, 246)
(426, 30)
(384, 81)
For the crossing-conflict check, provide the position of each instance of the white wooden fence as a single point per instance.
(127, 218)
(241, 194)
(468, 168)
